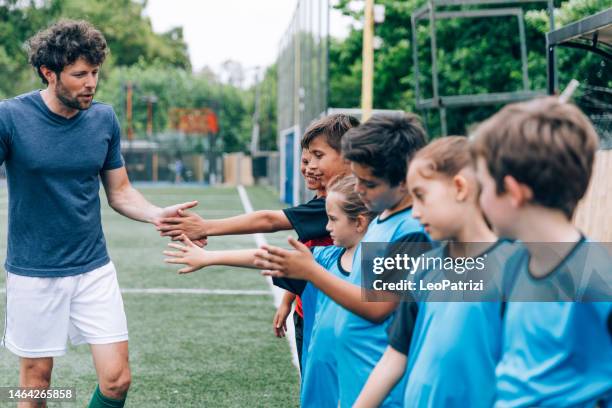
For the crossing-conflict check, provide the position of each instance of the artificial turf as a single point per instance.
(186, 350)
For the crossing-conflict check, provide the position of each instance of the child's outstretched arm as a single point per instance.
(300, 264)
(196, 227)
(194, 257)
(383, 378)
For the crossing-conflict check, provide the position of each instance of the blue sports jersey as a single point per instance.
(320, 376)
(455, 345)
(53, 168)
(555, 353)
(309, 304)
(361, 343)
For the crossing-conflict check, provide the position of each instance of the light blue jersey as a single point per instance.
(361, 343)
(309, 304)
(320, 376)
(456, 344)
(556, 354)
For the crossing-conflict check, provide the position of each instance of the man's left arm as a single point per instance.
(129, 202)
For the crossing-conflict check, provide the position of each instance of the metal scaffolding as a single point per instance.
(592, 34)
(432, 12)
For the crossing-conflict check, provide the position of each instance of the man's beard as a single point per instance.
(70, 102)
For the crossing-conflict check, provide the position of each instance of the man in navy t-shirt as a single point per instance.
(57, 144)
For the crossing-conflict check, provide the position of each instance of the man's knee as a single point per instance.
(116, 384)
(36, 372)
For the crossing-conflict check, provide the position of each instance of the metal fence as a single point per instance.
(435, 11)
(584, 49)
(174, 157)
(302, 88)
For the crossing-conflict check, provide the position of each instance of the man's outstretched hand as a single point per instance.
(183, 222)
(172, 211)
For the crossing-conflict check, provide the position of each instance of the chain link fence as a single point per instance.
(302, 88)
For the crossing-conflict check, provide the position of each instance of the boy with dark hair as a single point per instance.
(534, 162)
(379, 151)
(375, 145)
(322, 139)
(61, 282)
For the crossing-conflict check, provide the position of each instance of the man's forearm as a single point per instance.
(131, 203)
(252, 223)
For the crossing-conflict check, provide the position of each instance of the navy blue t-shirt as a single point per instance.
(53, 166)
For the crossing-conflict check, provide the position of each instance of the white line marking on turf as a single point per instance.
(192, 291)
(278, 293)
(189, 291)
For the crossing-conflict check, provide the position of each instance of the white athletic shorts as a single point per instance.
(42, 313)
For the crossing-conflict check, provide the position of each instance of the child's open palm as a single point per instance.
(189, 254)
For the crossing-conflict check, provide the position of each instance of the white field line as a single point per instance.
(277, 292)
(196, 291)
(188, 291)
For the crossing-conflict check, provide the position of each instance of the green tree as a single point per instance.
(128, 32)
(18, 22)
(177, 88)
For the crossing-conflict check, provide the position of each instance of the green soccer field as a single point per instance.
(186, 350)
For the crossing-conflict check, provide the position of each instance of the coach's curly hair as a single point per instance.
(63, 43)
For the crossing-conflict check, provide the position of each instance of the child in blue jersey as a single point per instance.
(534, 162)
(348, 222)
(448, 345)
(378, 151)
